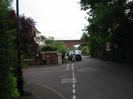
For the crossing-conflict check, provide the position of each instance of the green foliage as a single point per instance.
(43, 38)
(49, 48)
(61, 48)
(52, 45)
(110, 21)
(8, 88)
(49, 41)
(12, 87)
(85, 50)
(84, 37)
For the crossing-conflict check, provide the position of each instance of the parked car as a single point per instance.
(70, 55)
(78, 55)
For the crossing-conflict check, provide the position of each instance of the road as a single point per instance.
(87, 79)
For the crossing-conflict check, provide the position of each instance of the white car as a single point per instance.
(78, 55)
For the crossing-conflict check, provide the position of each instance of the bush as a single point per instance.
(49, 48)
(12, 87)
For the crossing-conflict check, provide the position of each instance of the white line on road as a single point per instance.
(73, 74)
(72, 67)
(74, 80)
(68, 66)
(74, 91)
(73, 85)
(74, 96)
(66, 80)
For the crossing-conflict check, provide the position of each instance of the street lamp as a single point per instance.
(19, 68)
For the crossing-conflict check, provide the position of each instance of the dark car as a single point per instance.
(70, 55)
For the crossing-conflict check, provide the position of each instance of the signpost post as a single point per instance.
(19, 68)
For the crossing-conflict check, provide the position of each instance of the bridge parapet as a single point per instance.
(71, 43)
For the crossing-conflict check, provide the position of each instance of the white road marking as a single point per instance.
(73, 85)
(68, 66)
(66, 80)
(74, 91)
(74, 96)
(72, 67)
(73, 74)
(74, 80)
(71, 80)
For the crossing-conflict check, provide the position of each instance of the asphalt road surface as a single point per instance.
(86, 79)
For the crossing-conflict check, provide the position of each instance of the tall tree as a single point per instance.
(84, 48)
(7, 53)
(28, 33)
(85, 37)
(110, 21)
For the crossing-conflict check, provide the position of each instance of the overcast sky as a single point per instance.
(61, 19)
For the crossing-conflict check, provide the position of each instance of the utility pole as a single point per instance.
(19, 73)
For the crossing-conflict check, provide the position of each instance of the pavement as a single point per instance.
(38, 92)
